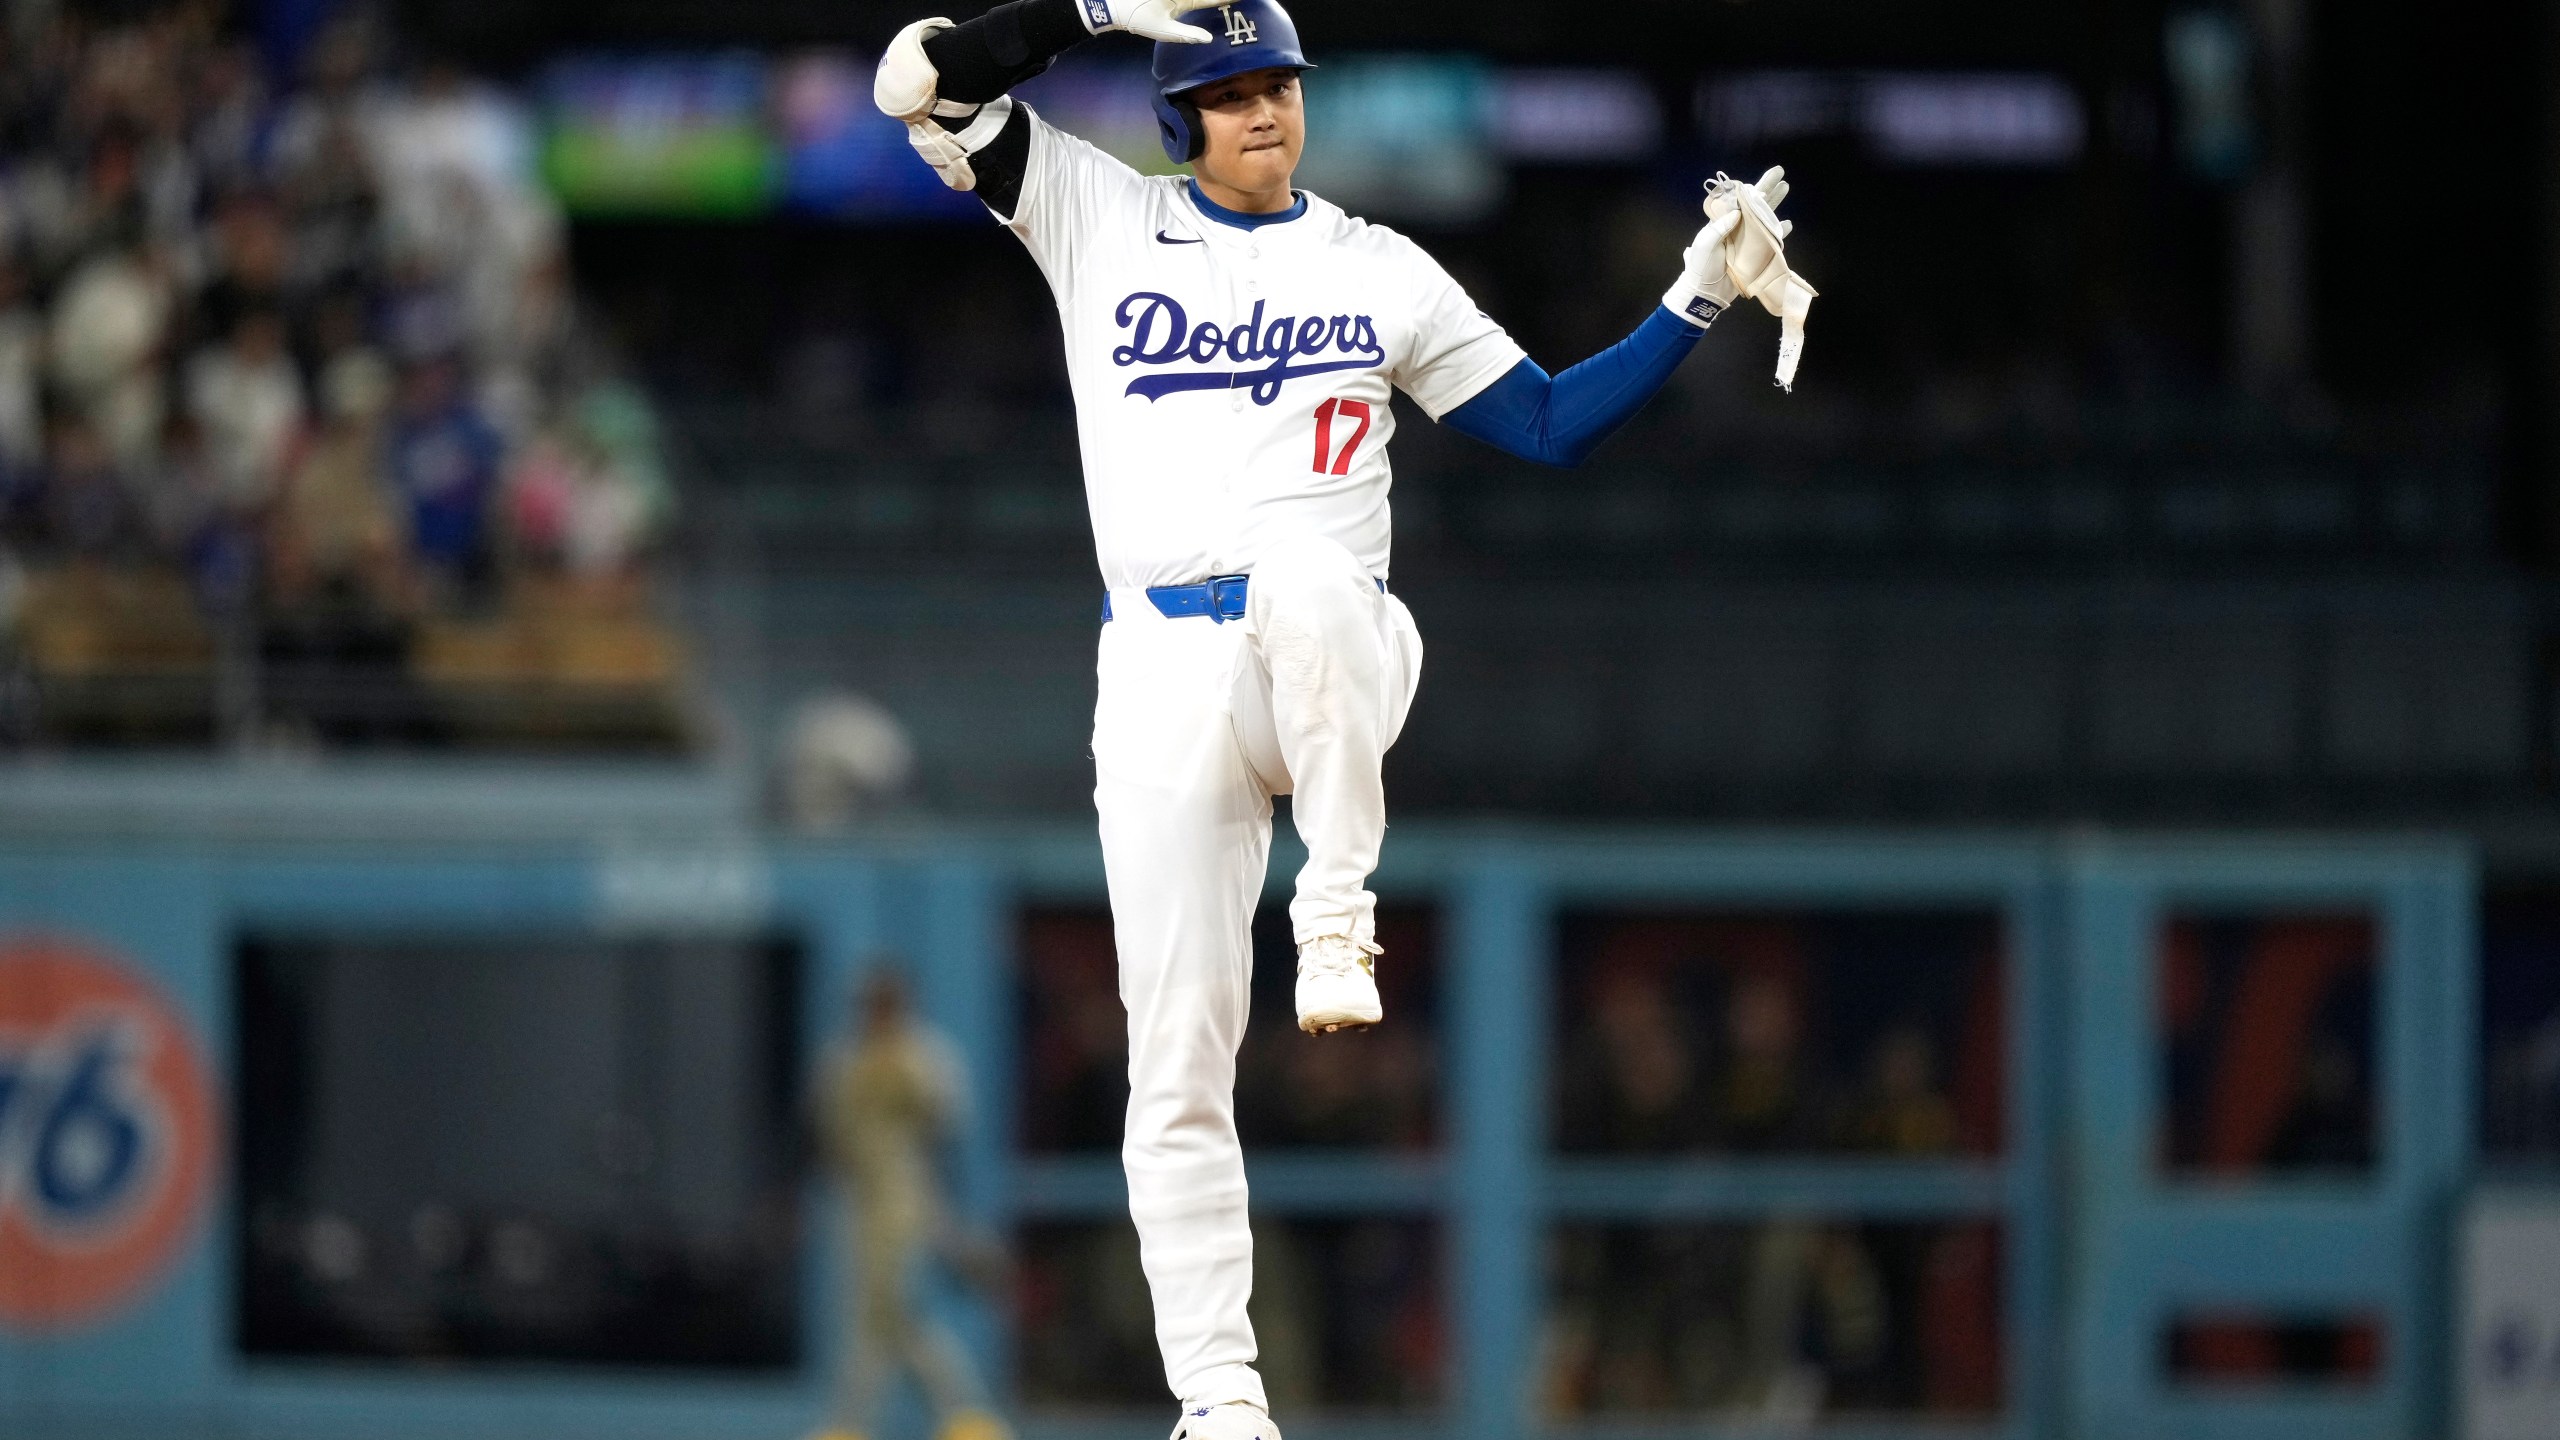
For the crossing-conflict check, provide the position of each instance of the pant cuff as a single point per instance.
(1224, 1385)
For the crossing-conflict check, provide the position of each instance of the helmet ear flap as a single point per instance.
(1195, 134)
(1178, 126)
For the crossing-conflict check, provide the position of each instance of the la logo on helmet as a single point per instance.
(1240, 27)
(107, 1134)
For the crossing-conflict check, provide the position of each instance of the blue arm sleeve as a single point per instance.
(1561, 420)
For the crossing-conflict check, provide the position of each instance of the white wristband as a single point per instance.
(1693, 304)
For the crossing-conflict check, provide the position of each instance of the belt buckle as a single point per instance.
(1220, 587)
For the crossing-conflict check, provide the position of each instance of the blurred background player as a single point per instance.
(892, 1093)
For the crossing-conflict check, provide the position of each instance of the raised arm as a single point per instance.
(948, 82)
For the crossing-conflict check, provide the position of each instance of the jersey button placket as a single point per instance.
(1240, 289)
(1253, 273)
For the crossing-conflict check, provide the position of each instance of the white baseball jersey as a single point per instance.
(1232, 385)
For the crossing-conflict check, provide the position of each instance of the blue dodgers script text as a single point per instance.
(1162, 334)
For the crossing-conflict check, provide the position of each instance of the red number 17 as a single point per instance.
(1348, 410)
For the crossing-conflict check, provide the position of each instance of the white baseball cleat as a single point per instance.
(1234, 1420)
(1337, 989)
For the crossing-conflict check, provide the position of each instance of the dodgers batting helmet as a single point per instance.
(1247, 35)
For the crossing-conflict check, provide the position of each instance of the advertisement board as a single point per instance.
(2510, 1316)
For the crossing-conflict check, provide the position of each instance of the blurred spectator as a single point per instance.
(21, 372)
(79, 206)
(1759, 1102)
(108, 330)
(335, 207)
(1346, 1313)
(1085, 1325)
(1779, 1321)
(1347, 1316)
(1770, 1034)
(586, 495)
(619, 422)
(247, 396)
(1075, 1072)
(1763, 1038)
(1379, 1095)
(336, 321)
(444, 467)
(251, 263)
(449, 131)
(339, 588)
(340, 95)
(189, 259)
(1904, 1113)
(229, 98)
(87, 509)
(178, 491)
(1814, 1317)
(193, 522)
(541, 491)
(1382, 1092)
(1635, 1085)
(421, 315)
(525, 348)
(455, 159)
(336, 529)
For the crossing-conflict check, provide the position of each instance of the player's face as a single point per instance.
(1256, 126)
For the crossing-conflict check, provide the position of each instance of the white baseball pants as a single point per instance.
(1198, 724)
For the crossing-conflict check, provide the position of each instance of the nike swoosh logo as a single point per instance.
(1164, 239)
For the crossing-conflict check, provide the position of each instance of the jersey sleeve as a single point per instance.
(1071, 193)
(1457, 349)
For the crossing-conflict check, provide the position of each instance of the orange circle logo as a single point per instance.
(106, 1133)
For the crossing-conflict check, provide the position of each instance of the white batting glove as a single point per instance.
(1704, 289)
(904, 85)
(1759, 255)
(1154, 19)
(948, 151)
(945, 132)
(1756, 259)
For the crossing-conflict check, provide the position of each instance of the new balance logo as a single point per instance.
(1099, 14)
(1704, 309)
(1240, 27)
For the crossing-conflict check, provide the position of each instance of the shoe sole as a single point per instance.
(1328, 1027)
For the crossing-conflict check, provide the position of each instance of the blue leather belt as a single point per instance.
(1220, 597)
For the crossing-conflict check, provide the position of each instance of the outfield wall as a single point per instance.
(125, 969)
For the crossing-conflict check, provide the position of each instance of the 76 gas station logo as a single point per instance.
(81, 1139)
(107, 1133)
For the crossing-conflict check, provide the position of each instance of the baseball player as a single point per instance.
(1233, 344)
(890, 1095)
